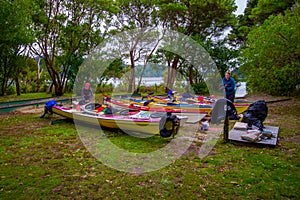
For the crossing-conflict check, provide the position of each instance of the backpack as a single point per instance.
(256, 114)
(168, 125)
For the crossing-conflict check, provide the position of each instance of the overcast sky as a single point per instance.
(241, 6)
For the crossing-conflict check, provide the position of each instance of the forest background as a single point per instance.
(43, 43)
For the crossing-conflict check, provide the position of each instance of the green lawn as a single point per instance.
(43, 161)
(28, 96)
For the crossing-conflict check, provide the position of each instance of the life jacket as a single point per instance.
(100, 108)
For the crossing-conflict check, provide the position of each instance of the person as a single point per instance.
(229, 85)
(48, 107)
(86, 94)
(171, 96)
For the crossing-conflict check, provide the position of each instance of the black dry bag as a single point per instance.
(256, 114)
(168, 125)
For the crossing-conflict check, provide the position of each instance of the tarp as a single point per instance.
(241, 90)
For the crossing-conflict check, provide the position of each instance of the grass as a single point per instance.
(28, 96)
(43, 161)
(37, 95)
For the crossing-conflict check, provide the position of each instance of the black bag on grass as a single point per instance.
(256, 114)
(168, 125)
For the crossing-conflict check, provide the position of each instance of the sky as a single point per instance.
(241, 6)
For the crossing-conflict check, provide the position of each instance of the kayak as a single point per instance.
(143, 122)
(176, 107)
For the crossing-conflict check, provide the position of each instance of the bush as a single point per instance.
(146, 89)
(33, 87)
(44, 87)
(11, 90)
(25, 89)
(104, 88)
(159, 88)
(200, 88)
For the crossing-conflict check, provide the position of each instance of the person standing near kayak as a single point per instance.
(229, 85)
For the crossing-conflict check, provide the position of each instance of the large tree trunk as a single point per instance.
(66, 87)
(2, 90)
(39, 72)
(59, 90)
(4, 75)
(172, 74)
(131, 86)
(18, 85)
(58, 85)
(51, 87)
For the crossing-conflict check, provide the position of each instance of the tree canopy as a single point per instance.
(272, 56)
(60, 35)
(15, 34)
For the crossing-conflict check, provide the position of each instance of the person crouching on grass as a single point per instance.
(48, 107)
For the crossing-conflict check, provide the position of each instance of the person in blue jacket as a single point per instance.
(48, 107)
(229, 85)
(171, 95)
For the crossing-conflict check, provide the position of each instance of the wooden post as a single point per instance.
(226, 129)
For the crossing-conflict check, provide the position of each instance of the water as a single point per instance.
(146, 81)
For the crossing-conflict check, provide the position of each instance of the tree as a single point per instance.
(254, 15)
(272, 56)
(26, 76)
(114, 70)
(242, 26)
(15, 34)
(266, 8)
(224, 55)
(140, 17)
(204, 20)
(65, 32)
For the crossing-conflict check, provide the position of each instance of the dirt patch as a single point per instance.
(23, 111)
(31, 110)
(266, 97)
(202, 137)
(294, 139)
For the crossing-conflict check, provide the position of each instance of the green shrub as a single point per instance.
(200, 88)
(33, 87)
(44, 87)
(104, 88)
(25, 89)
(11, 90)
